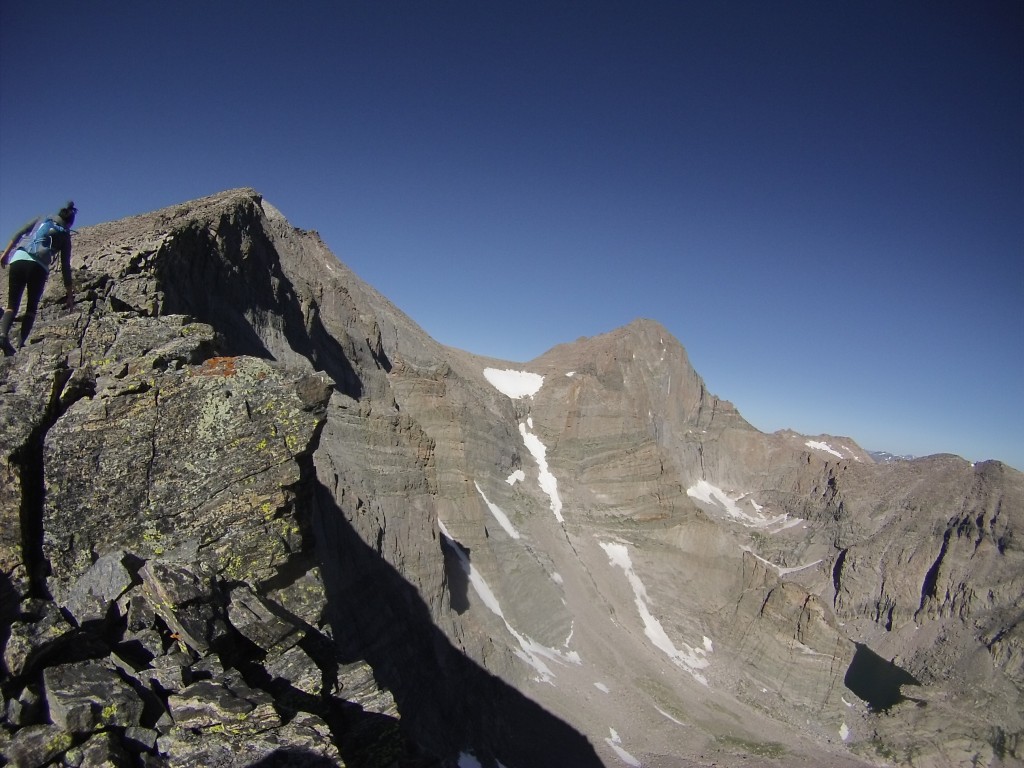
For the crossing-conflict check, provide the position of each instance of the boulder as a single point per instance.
(33, 640)
(170, 673)
(25, 708)
(256, 621)
(36, 745)
(215, 703)
(94, 594)
(88, 696)
(185, 601)
(101, 750)
(295, 670)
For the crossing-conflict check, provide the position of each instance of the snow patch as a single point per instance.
(806, 650)
(570, 374)
(557, 578)
(500, 516)
(466, 760)
(614, 741)
(514, 384)
(820, 446)
(721, 501)
(602, 687)
(778, 568)
(708, 645)
(666, 714)
(853, 453)
(548, 482)
(844, 732)
(788, 524)
(690, 659)
(530, 651)
(516, 477)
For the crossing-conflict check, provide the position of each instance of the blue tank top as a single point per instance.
(41, 248)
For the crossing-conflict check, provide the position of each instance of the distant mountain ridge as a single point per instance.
(252, 505)
(884, 457)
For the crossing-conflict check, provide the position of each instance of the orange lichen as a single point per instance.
(218, 366)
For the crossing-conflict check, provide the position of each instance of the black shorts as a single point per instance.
(25, 275)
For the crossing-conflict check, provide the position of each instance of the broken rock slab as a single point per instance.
(37, 745)
(212, 703)
(185, 601)
(169, 672)
(99, 750)
(90, 597)
(297, 670)
(90, 695)
(306, 740)
(33, 639)
(25, 708)
(256, 620)
(223, 722)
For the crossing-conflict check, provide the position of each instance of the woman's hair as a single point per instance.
(68, 212)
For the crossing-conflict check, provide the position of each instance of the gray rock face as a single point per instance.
(245, 489)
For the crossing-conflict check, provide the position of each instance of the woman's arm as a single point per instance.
(65, 271)
(14, 240)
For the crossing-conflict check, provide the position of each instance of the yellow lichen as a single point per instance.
(61, 742)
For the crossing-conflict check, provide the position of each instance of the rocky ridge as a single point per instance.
(252, 514)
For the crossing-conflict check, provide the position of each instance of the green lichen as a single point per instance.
(287, 528)
(236, 567)
(60, 742)
(154, 539)
(214, 413)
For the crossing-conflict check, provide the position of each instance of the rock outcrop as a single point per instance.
(252, 514)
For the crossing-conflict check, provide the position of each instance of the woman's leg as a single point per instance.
(35, 282)
(23, 274)
(16, 281)
(5, 326)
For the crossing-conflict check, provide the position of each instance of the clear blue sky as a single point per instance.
(823, 201)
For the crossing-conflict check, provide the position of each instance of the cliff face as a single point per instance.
(252, 503)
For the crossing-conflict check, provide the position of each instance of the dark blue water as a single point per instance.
(875, 680)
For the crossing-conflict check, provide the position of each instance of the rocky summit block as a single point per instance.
(201, 461)
(158, 487)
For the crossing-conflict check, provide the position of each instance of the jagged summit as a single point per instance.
(251, 504)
